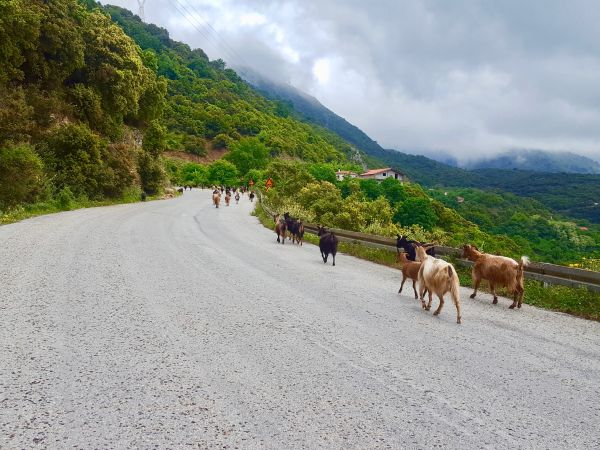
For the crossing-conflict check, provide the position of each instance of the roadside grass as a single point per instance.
(577, 302)
(67, 202)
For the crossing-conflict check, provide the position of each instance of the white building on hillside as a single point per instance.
(341, 174)
(382, 174)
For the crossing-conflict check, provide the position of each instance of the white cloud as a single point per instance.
(467, 78)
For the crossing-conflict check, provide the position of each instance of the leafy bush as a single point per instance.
(247, 154)
(151, 173)
(155, 136)
(73, 155)
(221, 141)
(222, 173)
(21, 175)
(194, 175)
(416, 211)
(120, 171)
(194, 145)
(65, 199)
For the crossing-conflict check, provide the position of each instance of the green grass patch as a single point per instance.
(578, 302)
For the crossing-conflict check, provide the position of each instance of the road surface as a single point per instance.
(174, 324)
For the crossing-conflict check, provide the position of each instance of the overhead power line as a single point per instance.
(210, 35)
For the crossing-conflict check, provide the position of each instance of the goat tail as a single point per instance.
(523, 262)
(454, 286)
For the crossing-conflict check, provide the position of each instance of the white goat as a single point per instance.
(439, 277)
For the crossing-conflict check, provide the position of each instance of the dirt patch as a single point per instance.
(212, 155)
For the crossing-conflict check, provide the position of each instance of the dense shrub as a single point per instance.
(247, 154)
(194, 145)
(223, 173)
(155, 138)
(21, 175)
(72, 153)
(151, 173)
(416, 211)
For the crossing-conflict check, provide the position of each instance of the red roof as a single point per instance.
(378, 171)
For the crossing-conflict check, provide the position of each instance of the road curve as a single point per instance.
(175, 324)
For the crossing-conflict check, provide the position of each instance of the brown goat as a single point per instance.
(410, 269)
(439, 277)
(499, 271)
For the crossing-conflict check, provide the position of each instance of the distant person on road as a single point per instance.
(251, 196)
(237, 197)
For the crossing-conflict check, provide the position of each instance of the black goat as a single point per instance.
(328, 243)
(408, 246)
(295, 228)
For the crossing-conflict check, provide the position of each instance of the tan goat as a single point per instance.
(410, 269)
(439, 277)
(499, 271)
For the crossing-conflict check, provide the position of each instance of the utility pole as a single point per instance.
(141, 10)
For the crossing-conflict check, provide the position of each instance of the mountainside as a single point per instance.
(576, 194)
(311, 110)
(539, 161)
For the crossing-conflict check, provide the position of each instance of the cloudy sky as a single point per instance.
(467, 78)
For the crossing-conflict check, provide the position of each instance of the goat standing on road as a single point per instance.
(410, 269)
(280, 228)
(328, 244)
(439, 277)
(499, 271)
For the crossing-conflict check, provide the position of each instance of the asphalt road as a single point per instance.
(174, 324)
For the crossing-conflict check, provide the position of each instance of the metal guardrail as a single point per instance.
(548, 274)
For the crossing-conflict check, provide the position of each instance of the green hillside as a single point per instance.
(575, 195)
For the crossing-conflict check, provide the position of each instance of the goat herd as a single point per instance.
(438, 276)
(294, 229)
(434, 275)
(419, 264)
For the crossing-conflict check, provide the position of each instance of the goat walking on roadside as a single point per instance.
(410, 270)
(328, 244)
(499, 271)
(439, 277)
(280, 228)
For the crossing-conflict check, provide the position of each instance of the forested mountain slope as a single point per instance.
(539, 161)
(73, 87)
(575, 195)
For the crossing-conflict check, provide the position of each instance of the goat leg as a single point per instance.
(439, 308)
(493, 289)
(476, 282)
(402, 284)
(430, 300)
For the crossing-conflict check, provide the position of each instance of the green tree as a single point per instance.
(152, 175)
(248, 153)
(393, 190)
(21, 175)
(321, 197)
(371, 188)
(194, 175)
(155, 138)
(73, 155)
(417, 211)
(289, 177)
(223, 173)
(322, 172)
